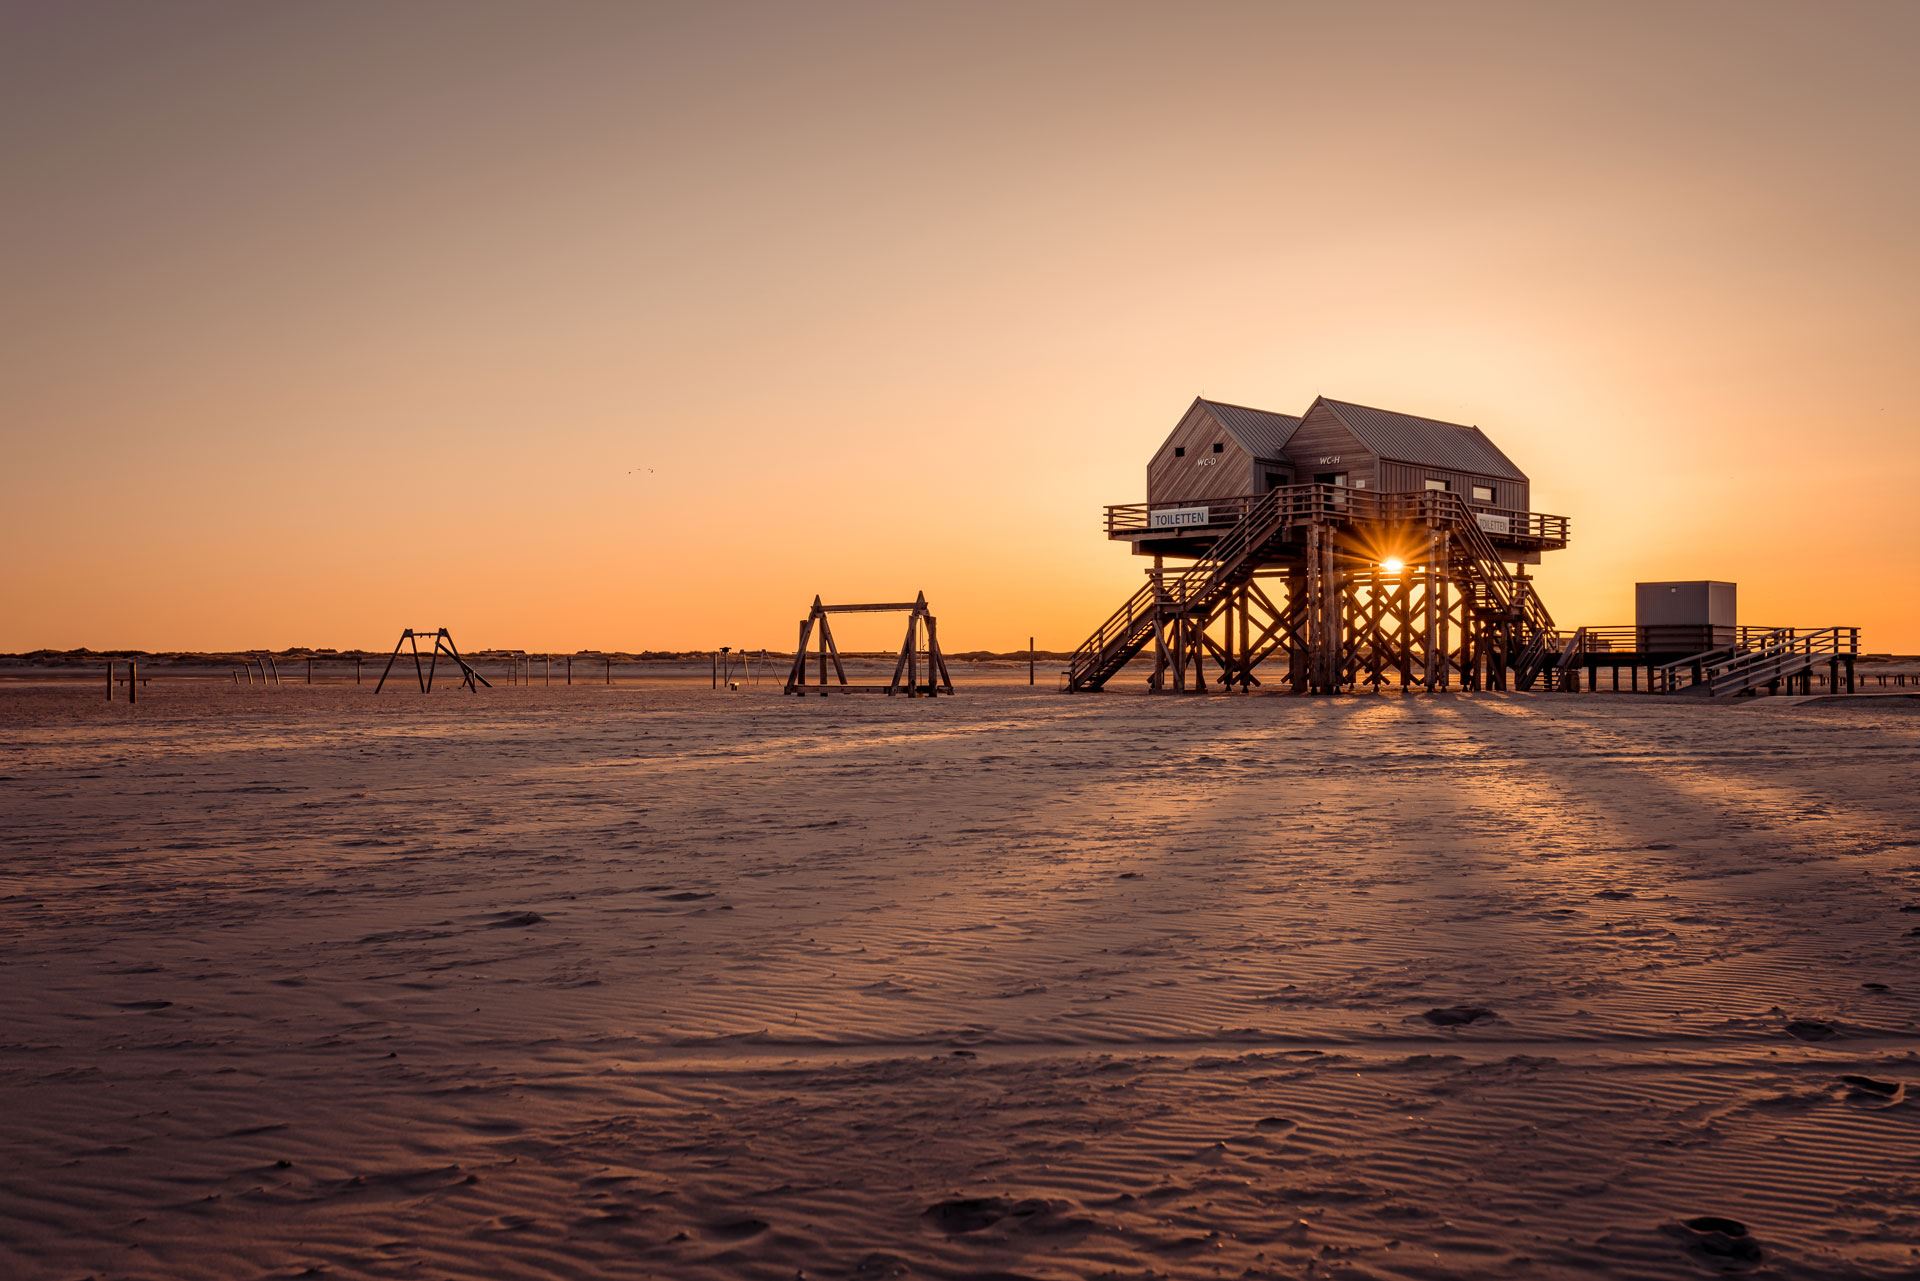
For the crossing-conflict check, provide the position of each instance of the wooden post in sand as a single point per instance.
(1029, 660)
(133, 680)
(713, 662)
(356, 669)
(110, 680)
(569, 669)
(309, 670)
(609, 671)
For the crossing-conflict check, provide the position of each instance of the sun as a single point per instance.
(1392, 565)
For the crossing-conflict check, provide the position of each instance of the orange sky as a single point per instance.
(324, 320)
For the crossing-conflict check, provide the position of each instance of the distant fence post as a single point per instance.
(133, 680)
(1029, 660)
(609, 671)
(110, 666)
(309, 670)
(356, 669)
(569, 669)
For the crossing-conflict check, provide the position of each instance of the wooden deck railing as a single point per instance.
(1362, 504)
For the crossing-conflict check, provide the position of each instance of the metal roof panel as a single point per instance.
(1262, 434)
(1407, 438)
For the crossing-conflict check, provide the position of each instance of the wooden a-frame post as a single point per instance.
(442, 644)
(906, 677)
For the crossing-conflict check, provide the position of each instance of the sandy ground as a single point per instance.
(657, 982)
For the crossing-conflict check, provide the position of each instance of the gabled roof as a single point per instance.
(1404, 438)
(1260, 433)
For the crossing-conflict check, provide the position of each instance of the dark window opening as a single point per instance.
(1179, 451)
(1219, 448)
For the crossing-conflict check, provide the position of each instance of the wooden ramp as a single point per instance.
(1782, 658)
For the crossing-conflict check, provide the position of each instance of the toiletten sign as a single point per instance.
(1493, 524)
(1176, 517)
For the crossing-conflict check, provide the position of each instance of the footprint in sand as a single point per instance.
(959, 1215)
(1458, 1015)
(512, 920)
(1725, 1242)
(1811, 1030)
(737, 1229)
(1867, 1091)
(967, 1214)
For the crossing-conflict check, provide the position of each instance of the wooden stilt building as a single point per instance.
(1355, 548)
(1346, 548)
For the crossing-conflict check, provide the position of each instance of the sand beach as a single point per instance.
(653, 981)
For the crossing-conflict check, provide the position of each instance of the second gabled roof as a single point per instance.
(1260, 433)
(1405, 438)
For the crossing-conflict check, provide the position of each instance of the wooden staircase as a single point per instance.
(1507, 602)
(1193, 590)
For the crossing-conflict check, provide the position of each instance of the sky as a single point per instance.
(613, 325)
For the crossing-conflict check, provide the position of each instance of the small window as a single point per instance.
(1219, 448)
(1179, 451)
(1483, 493)
(1439, 486)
